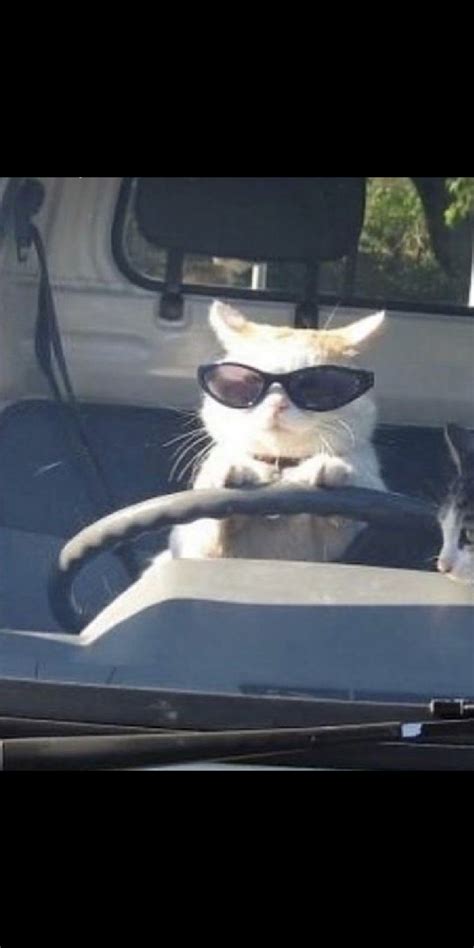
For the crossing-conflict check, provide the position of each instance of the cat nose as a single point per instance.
(277, 403)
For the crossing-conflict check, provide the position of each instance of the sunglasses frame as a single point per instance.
(365, 379)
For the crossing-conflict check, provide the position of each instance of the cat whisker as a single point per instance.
(190, 421)
(330, 430)
(347, 427)
(184, 416)
(193, 462)
(200, 460)
(331, 316)
(181, 411)
(184, 452)
(183, 449)
(326, 444)
(186, 435)
(194, 438)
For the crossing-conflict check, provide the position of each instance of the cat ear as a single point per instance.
(353, 335)
(460, 442)
(226, 322)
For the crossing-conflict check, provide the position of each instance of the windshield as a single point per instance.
(292, 360)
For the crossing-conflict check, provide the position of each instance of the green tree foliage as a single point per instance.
(396, 257)
(461, 192)
(395, 225)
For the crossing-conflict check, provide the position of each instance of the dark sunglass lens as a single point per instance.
(325, 388)
(234, 385)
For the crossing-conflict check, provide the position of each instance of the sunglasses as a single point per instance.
(318, 388)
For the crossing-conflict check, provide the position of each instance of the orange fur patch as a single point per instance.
(333, 344)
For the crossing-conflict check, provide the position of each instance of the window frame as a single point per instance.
(274, 296)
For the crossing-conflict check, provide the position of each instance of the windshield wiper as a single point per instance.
(143, 750)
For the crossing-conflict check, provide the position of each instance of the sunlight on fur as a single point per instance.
(275, 441)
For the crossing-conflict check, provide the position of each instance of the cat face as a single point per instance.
(456, 516)
(276, 426)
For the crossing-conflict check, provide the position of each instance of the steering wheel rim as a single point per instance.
(393, 511)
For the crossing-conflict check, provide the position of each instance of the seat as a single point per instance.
(26, 562)
(45, 498)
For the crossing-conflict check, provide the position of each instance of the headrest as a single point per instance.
(258, 219)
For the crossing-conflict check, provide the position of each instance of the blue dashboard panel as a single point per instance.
(260, 627)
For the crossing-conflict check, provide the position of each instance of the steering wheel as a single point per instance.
(392, 511)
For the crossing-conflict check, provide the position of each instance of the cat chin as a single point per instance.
(274, 448)
(283, 440)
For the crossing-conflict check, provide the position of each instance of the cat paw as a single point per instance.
(321, 472)
(334, 473)
(251, 474)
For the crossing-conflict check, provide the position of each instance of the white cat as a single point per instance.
(275, 440)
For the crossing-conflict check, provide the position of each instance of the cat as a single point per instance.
(456, 515)
(277, 441)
